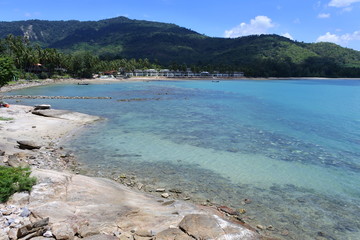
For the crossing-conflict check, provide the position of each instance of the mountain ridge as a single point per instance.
(167, 43)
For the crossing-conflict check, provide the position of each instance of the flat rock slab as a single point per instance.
(65, 114)
(85, 206)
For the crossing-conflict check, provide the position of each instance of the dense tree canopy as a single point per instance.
(7, 70)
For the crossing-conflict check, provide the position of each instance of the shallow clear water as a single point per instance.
(292, 146)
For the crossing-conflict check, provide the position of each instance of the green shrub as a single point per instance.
(28, 76)
(14, 180)
(43, 75)
(5, 119)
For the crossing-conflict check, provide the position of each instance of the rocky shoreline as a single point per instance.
(76, 213)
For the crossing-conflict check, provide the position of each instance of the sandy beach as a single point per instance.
(92, 206)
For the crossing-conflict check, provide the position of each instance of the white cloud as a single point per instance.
(258, 25)
(31, 15)
(287, 35)
(328, 37)
(324, 15)
(340, 39)
(342, 3)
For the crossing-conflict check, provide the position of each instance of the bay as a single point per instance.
(291, 146)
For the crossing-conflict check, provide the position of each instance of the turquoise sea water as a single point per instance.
(292, 147)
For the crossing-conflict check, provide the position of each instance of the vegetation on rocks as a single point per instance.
(5, 119)
(14, 180)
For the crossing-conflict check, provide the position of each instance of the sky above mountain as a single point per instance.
(336, 21)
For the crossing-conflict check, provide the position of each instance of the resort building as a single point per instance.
(177, 74)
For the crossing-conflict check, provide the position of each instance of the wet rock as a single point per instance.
(227, 210)
(172, 234)
(201, 226)
(247, 201)
(174, 190)
(28, 145)
(270, 228)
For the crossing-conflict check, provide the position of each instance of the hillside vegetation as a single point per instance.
(172, 46)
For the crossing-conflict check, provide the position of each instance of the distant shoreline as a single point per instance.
(34, 83)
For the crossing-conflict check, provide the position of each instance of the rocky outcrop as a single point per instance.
(90, 207)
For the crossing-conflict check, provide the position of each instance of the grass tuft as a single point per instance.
(5, 119)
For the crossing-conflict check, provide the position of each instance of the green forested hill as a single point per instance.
(166, 44)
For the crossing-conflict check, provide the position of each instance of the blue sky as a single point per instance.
(335, 21)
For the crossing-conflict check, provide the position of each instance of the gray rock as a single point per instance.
(25, 212)
(201, 226)
(173, 234)
(28, 145)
